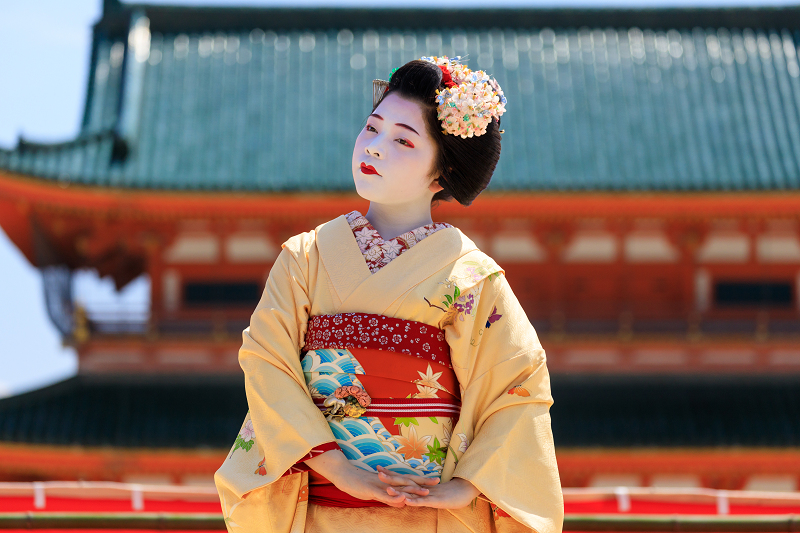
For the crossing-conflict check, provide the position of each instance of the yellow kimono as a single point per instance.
(502, 442)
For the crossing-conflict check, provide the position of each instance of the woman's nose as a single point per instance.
(374, 151)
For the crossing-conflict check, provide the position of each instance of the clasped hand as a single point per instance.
(395, 490)
(418, 491)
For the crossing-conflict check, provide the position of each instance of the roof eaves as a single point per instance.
(28, 156)
(79, 141)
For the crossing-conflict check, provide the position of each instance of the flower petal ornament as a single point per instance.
(468, 102)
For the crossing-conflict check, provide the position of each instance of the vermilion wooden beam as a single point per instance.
(36, 462)
(681, 460)
(26, 191)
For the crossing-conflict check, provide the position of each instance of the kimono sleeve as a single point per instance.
(506, 449)
(286, 422)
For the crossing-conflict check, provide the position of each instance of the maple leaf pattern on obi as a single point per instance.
(426, 392)
(412, 447)
(405, 421)
(429, 378)
(428, 385)
(436, 452)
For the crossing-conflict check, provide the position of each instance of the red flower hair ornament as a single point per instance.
(447, 79)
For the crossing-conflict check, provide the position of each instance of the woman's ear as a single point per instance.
(434, 187)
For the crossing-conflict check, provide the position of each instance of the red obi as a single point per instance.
(389, 391)
(378, 332)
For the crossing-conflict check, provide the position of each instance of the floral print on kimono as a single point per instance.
(378, 252)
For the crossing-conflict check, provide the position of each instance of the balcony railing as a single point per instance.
(194, 508)
(220, 323)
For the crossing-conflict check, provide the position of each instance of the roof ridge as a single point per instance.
(193, 19)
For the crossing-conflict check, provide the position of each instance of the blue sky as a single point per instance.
(45, 48)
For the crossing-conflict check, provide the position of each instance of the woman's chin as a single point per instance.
(373, 198)
(364, 190)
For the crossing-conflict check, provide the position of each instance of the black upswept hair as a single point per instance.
(464, 166)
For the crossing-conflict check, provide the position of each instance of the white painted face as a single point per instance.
(397, 145)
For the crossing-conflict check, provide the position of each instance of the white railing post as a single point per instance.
(38, 495)
(623, 499)
(137, 498)
(723, 505)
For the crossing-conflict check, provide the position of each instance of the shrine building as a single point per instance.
(646, 211)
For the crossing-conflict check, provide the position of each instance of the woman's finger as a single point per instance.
(408, 489)
(400, 479)
(407, 495)
(397, 505)
(394, 479)
(394, 500)
(430, 500)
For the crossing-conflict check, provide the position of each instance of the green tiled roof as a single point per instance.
(175, 413)
(272, 99)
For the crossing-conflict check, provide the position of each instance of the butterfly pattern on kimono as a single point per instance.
(493, 317)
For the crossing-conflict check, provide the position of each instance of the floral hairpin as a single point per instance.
(470, 99)
(467, 104)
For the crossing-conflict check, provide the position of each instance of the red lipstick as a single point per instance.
(367, 169)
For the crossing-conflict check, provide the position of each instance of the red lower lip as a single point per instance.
(366, 170)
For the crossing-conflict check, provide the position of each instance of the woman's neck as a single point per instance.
(394, 220)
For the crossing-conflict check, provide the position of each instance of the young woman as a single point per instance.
(394, 382)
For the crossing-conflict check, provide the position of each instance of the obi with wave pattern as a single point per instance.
(397, 376)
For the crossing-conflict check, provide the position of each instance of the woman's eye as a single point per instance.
(404, 142)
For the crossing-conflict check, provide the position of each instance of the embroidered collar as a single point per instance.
(377, 252)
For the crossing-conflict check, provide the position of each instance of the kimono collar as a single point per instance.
(358, 289)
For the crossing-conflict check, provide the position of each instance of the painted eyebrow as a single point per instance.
(406, 126)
